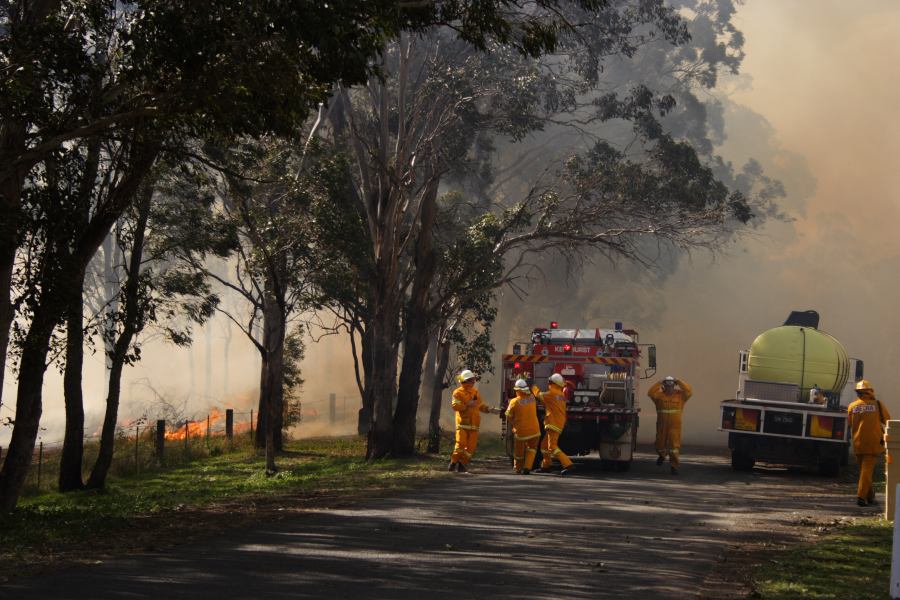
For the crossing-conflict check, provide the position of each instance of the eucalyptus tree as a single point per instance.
(423, 138)
(146, 74)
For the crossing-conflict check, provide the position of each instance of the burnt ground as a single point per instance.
(493, 534)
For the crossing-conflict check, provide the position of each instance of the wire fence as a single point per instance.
(143, 447)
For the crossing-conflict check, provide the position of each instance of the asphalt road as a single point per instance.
(492, 534)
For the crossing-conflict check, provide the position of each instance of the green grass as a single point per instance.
(854, 562)
(223, 489)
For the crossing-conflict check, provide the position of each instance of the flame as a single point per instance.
(195, 429)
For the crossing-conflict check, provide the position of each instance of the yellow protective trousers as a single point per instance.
(466, 442)
(866, 464)
(550, 450)
(668, 434)
(524, 451)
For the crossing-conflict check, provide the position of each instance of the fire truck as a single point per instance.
(602, 369)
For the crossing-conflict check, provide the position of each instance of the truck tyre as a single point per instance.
(622, 466)
(830, 467)
(741, 461)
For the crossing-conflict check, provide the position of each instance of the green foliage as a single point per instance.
(852, 562)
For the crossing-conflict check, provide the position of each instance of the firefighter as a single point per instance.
(670, 395)
(867, 417)
(554, 401)
(468, 406)
(522, 413)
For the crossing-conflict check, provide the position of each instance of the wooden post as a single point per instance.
(229, 423)
(207, 429)
(137, 433)
(187, 434)
(160, 438)
(251, 424)
(40, 462)
(332, 408)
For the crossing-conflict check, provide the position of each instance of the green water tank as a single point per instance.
(800, 355)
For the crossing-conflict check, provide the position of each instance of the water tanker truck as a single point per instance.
(794, 384)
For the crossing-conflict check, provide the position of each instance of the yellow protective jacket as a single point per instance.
(468, 406)
(554, 401)
(523, 411)
(866, 424)
(670, 404)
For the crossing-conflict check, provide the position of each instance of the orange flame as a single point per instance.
(195, 428)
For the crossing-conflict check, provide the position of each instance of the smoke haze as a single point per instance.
(815, 104)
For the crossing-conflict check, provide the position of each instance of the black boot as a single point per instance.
(660, 460)
(673, 470)
(461, 468)
(567, 471)
(452, 466)
(860, 502)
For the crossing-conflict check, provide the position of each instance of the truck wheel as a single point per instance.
(741, 461)
(830, 467)
(622, 466)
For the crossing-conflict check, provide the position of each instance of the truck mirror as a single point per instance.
(859, 369)
(651, 357)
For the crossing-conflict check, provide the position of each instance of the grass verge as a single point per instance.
(852, 562)
(154, 510)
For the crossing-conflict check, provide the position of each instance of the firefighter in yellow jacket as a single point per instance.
(670, 395)
(867, 417)
(468, 406)
(554, 401)
(522, 413)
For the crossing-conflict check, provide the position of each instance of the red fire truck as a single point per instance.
(602, 370)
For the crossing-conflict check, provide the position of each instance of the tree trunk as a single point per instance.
(133, 323)
(262, 410)
(436, 393)
(70, 463)
(414, 350)
(274, 326)
(415, 343)
(381, 380)
(366, 412)
(32, 366)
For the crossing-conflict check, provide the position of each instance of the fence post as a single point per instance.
(332, 408)
(207, 429)
(160, 438)
(40, 462)
(137, 438)
(251, 424)
(229, 423)
(187, 434)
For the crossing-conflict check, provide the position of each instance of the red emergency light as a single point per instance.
(553, 324)
(517, 365)
(567, 347)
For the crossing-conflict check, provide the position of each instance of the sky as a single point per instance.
(816, 104)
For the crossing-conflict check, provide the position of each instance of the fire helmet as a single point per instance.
(669, 380)
(465, 375)
(863, 384)
(521, 385)
(557, 379)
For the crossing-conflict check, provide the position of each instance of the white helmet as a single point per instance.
(465, 375)
(669, 380)
(521, 385)
(557, 379)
